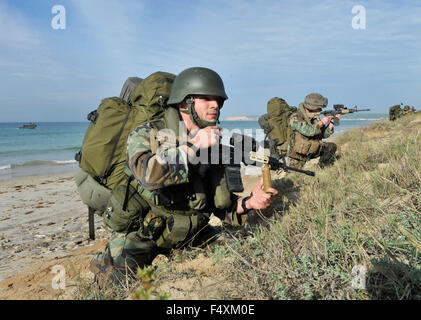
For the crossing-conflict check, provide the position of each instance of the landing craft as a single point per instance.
(28, 126)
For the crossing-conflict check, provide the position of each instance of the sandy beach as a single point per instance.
(43, 223)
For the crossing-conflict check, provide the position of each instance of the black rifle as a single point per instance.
(340, 109)
(244, 149)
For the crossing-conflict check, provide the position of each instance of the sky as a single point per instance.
(260, 48)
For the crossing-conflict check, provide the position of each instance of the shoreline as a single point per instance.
(47, 169)
(44, 167)
(37, 170)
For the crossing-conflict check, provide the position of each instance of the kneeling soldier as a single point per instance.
(180, 195)
(307, 132)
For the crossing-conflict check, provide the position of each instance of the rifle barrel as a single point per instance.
(309, 173)
(276, 164)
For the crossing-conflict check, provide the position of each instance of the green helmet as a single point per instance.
(194, 81)
(314, 101)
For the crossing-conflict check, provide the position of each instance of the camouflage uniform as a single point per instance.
(182, 196)
(306, 135)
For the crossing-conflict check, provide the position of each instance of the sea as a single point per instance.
(51, 146)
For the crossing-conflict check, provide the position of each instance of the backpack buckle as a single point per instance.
(92, 116)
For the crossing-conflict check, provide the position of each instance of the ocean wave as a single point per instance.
(33, 163)
(65, 161)
(37, 151)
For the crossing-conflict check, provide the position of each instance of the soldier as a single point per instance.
(307, 131)
(181, 195)
(406, 110)
(395, 112)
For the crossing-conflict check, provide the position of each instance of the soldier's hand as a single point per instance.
(259, 198)
(331, 124)
(325, 121)
(207, 137)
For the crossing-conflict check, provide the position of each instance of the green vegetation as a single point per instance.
(362, 212)
(147, 291)
(365, 210)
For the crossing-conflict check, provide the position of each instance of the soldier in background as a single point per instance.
(395, 112)
(307, 132)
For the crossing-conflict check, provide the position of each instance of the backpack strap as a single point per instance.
(110, 167)
(92, 116)
(153, 142)
(126, 196)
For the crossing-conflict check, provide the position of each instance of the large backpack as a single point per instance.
(276, 125)
(395, 112)
(102, 158)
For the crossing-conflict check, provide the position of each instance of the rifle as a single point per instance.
(340, 109)
(244, 149)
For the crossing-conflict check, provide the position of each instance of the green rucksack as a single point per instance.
(102, 158)
(276, 125)
(395, 112)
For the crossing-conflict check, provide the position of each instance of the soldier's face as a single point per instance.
(313, 113)
(207, 108)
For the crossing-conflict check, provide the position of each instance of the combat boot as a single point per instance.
(105, 274)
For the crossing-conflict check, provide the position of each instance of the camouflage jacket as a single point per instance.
(168, 168)
(311, 129)
(155, 171)
(308, 132)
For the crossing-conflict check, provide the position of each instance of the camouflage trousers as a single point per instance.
(326, 153)
(125, 253)
(122, 256)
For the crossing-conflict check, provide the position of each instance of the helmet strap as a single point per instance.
(195, 117)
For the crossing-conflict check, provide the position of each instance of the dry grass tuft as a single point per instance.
(363, 211)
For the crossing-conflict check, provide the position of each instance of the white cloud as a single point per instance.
(15, 32)
(260, 47)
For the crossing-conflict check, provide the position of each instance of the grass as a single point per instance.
(136, 288)
(365, 210)
(362, 213)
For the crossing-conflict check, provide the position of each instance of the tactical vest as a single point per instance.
(182, 210)
(304, 147)
(207, 186)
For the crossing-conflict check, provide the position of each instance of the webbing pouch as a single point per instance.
(176, 230)
(92, 193)
(125, 209)
(305, 146)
